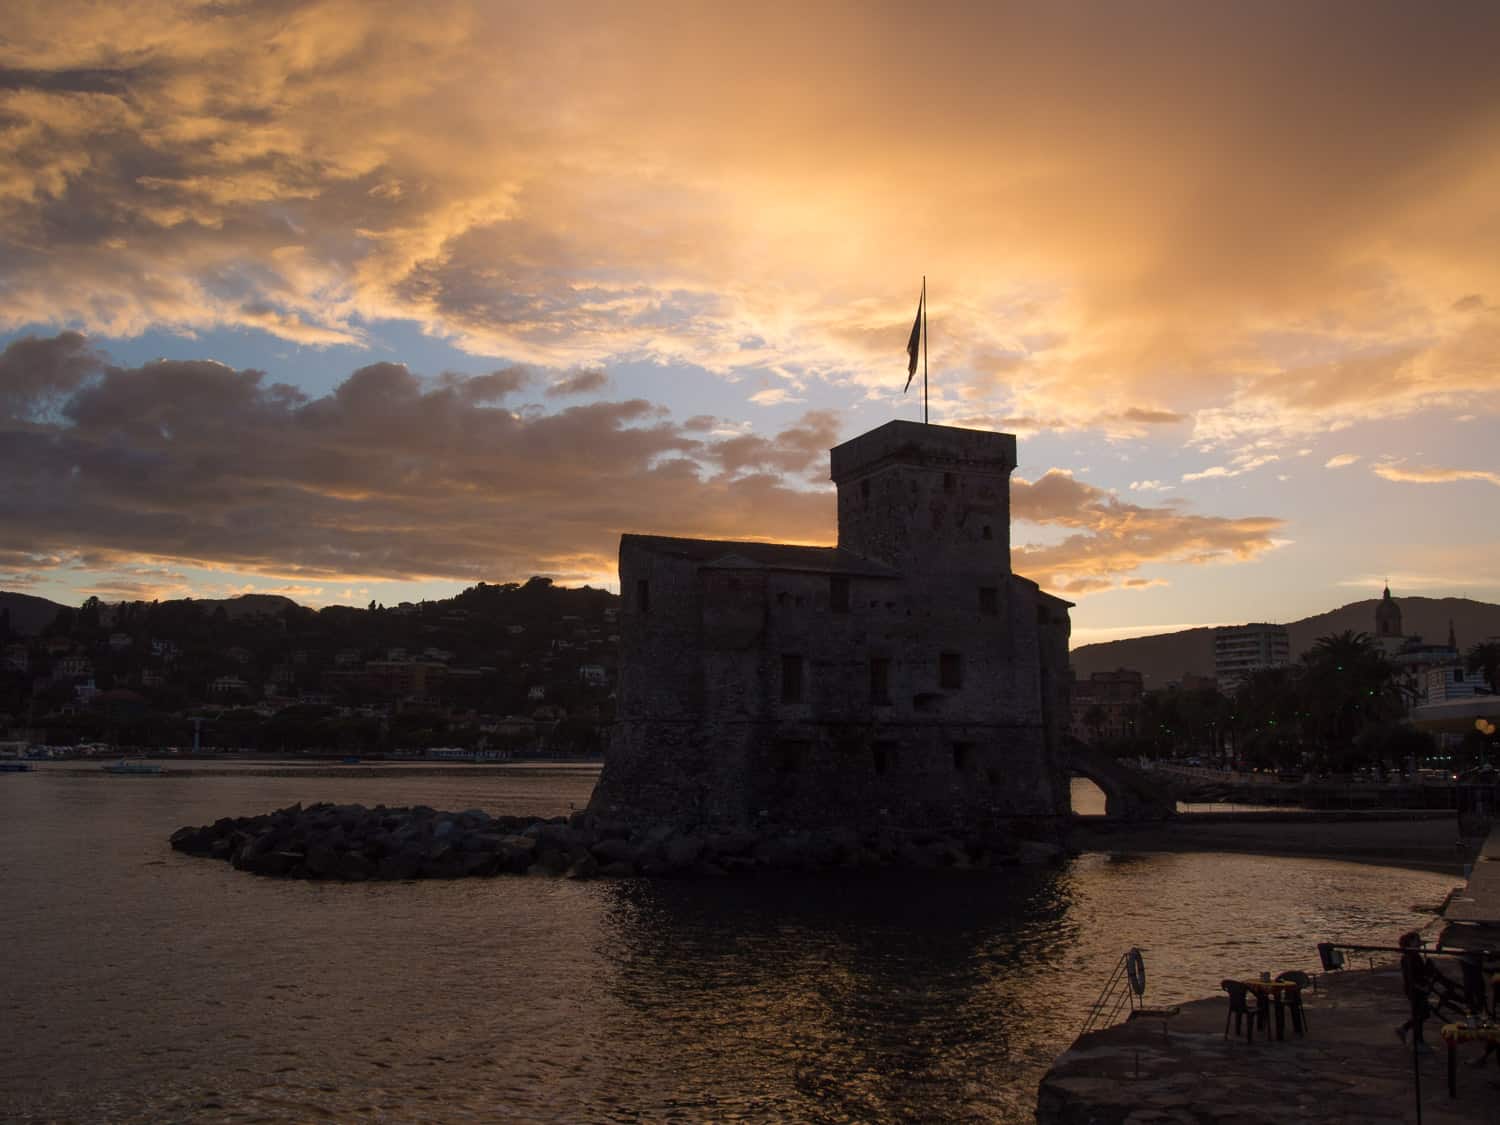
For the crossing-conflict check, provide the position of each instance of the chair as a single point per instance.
(1240, 1010)
(1293, 1000)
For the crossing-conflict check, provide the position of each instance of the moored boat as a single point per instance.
(143, 769)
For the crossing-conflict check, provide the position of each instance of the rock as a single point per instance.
(322, 862)
(613, 850)
(1036, 851)
(401, 865)
(584, 868)
(325, 841)
(445, 864)
(268, 863)
(682, 851)
(479, 863)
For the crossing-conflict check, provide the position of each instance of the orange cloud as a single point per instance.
(1391, 471)
(1111, 539)
(1230, 216)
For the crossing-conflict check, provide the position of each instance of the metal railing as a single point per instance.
(1120, 991)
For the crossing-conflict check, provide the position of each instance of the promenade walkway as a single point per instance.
(1349, 1068)
(1473, 914)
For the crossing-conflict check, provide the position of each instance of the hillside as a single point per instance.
(28, 615)
(1167, 656)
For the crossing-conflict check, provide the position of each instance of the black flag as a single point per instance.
(915, 341)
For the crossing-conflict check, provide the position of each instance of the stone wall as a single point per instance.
(905, 677)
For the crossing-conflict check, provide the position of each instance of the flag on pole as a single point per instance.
(915, 341)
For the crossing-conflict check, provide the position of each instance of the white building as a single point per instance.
(1240, 650)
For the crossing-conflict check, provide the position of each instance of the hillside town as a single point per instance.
(1372, 702)
(496, 671)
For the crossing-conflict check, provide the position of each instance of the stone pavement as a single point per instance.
(1350, 1068)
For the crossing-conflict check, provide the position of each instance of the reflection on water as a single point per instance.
(143, 985)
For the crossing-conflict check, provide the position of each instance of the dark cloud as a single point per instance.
(802, 448)
(397, 476)
(37, 371)
(391, 476)
(582, 383)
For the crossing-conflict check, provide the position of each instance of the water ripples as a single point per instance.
(146, 986)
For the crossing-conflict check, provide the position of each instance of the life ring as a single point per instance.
(1135, 969)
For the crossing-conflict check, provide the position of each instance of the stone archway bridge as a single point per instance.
(1129, 794)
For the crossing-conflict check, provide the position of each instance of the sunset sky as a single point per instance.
(356, 300)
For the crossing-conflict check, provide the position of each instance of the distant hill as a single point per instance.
(246, 605)
(28, 615)
(1167, 656)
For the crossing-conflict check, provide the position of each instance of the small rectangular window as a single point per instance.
(950, 482)
(787, 757)
(882, 757)
(880, 679)
(791, 678)
(989, 600)
(642, 595)
(838, 594)
(950, 671)
(963, 757)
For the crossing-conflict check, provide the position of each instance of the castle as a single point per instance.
(905, 676)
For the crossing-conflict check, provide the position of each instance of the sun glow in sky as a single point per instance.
(356, 300)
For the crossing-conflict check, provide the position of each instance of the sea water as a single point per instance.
(138, 984)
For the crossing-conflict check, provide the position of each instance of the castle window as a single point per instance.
(950, 671)
(950, 482)
(787, 757)
(864, 489)
(883, 756)
(642, 595)
(880, 679)
(989, 600)
(838, 594)
(791, 678)
(986, 533)
(781, 598)
(963, 757)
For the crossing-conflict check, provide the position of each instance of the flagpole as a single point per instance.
(924, 349)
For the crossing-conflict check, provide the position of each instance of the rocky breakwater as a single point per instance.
(353, 843)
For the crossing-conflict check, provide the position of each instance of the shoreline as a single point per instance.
(1420, 840)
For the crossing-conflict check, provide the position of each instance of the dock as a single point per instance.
(1350, 1066)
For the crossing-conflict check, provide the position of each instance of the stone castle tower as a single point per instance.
(905, 676)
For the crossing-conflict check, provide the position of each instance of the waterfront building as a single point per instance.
(1240, 650)
(905, 675)
(1452, 681)
(1104, 706)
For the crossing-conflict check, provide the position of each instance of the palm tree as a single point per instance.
(1485, 657)
(1349, 685)
(1265, 716)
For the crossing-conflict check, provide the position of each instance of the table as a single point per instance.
(1278, 992)
(1455, 1033)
